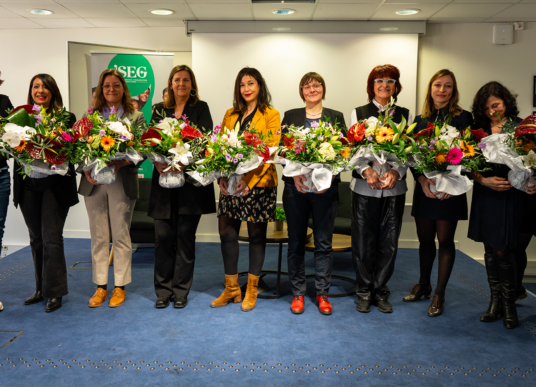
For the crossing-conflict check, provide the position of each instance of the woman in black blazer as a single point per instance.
(437, 215)
(177, 211)
(299, 204)
(44, 204)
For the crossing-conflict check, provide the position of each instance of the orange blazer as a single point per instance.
(269, 124)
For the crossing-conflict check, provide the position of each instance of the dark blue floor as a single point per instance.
(136, 344)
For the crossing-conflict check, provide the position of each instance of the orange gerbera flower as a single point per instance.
(21, 146)
(345, 152)
(384, 134)
(527, 146)
(467, 149)
(440, 158)
(130, 143)
(107, 142)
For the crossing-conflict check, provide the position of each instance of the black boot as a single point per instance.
(494, 311)
(507, 275)
(34, 298)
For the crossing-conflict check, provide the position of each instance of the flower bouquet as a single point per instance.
(381, 142)
(444, 153)
(515, 147)
(231, 154)
(39, 141)
(170, 142)
(100, 140)
(318, 153)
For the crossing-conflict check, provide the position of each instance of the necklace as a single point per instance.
(313, 114)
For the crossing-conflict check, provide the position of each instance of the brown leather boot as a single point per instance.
(98, 298)
(232, 292)
(251, 293)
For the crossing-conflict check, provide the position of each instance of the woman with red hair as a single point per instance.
(377, 201)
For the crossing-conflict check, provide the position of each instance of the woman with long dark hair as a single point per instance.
(438, 213)
(255, 198)
(497, 208)
(45, 203)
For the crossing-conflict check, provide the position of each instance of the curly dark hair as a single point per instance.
(481, 98)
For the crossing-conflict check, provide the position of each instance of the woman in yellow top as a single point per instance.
(254, 201)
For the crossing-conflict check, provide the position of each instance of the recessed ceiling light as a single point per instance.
(406, 12)
(281, 29)
(388, 29)
(40, 12)
(162, 12)
(283, 11)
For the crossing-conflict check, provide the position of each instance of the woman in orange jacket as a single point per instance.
(254, 201)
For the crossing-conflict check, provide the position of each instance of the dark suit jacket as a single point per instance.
(129, 173)
(63, 187)
(298, 117)
(188, 199)
(5, 104)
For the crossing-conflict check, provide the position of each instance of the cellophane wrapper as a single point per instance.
(103, 174)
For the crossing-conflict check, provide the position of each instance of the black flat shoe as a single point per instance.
(383, 306)
(180, 302)
(162, 302)
(53, 304)
(34, 298)
(363, 306)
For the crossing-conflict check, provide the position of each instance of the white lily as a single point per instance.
(167, 125)
(530, 159)
(182, 153)
(233, 139)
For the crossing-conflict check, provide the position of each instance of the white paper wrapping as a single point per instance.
(170, 180)
(103, 174)
(381, 160)
(38, 169)
(451, 181)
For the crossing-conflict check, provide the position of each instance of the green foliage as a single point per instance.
(280, 215)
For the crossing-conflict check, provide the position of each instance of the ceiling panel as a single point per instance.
(487, 1)
(517, 12)
(107, 22)
(152, 1)
(22, 9)
(100, 11)
(87, 1)
(387, 11)
(264, 11)
(222, 12)
(14, 23)
(35, 1)
(344, 11)
(349, 1)
(218, 1)
(163, 22)
(65, 23)
(142, 10)
(468, 12)
(417, 2)
(6, 13)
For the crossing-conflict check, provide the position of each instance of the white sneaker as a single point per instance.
(1, 307)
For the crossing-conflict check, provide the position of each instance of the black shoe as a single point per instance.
(180, 302)
(363, 305)
(507, 275)
(34, 298)
(53, 304)
(383, 306)
(521, 293)
(162, 302)
(495, 310)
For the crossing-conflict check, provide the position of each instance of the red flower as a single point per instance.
(527, 126)
(150, 134)
(28, 108)
(264, 153)
(53, 151)
(188, 133)
(356, 132)
(425, 132)
(288, 142)
(81, 128)
(479, 133)
(251, 139)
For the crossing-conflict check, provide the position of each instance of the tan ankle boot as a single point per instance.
(232, 292)
(251, 293)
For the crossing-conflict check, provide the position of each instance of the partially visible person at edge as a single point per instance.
(177, 211)
(377, 201)
(437, 214)
(44, 204)
(299, 204)
(164, 97)
(109, 206)
(254, 201)
(499, 218)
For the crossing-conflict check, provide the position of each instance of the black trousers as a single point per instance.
(175, 254)
(376, 225)
(323, 208)
(45, 218)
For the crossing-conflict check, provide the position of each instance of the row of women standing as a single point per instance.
(377, 201)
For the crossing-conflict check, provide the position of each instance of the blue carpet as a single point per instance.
(137, 344)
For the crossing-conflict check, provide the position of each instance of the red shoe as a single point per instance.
(297, 305)
(324, 306)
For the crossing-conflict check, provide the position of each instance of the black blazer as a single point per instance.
(63, 187)
(5, 104)
(298, 117)
(188, 199)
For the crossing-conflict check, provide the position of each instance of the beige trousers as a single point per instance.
(110, 212)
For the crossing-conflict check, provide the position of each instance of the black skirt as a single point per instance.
(258, 206)
(528, 216)
(453, 208)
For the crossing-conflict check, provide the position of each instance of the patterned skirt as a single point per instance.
(258, 206)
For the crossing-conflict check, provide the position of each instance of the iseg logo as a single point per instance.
(132, 71)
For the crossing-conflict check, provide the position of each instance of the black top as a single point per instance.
(5, 104)
(298, 117)
(455, 207)
(188, 199)
(63, 187)
(496, 215)
(247, 122)
(371, 110)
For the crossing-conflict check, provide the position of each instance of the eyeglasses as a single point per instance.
(115, 86)
(316, 86)
(389, 82)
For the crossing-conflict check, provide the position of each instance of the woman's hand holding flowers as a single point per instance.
(118, 164)
(89, 178)
(373, 179)
(298, 183)
(242, 188)
(389, 179)
(223, 185)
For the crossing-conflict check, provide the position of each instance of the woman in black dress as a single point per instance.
(44, 204)
(177, 211)
(496, 209)
(299, 204)
(437, 215)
